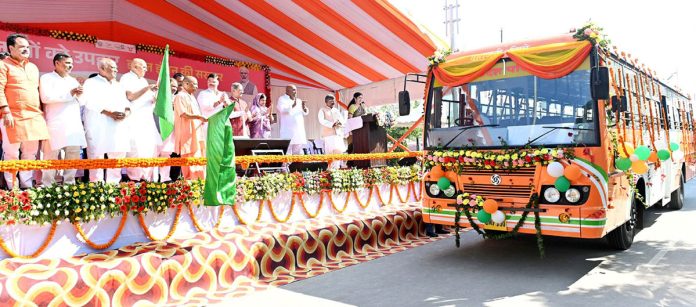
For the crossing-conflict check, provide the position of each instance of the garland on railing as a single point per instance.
(85, 202)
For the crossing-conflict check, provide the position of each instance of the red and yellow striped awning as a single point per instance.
(331, 44)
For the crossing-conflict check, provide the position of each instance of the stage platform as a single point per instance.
(213, 266)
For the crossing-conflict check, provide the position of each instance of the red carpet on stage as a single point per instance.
(213, 266)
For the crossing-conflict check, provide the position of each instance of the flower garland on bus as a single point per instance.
(439, 56)
(507, 159)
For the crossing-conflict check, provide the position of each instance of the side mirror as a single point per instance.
(599, 83)
(404, 103)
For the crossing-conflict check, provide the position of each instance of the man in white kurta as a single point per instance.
(106, 119)
(331, 122)
(145, 138)
(211, 100)
(292, 112)
(59, 93)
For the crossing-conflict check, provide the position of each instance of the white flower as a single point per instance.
(57, 212)
(66, 211)
(45, 212)
(40, 206)
(48, 206)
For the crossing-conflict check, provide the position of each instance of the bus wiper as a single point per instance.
(552, 129)
(467, 128)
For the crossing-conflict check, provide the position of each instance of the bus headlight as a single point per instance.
(573, 195)
(552, 195)
(434, 190)
(449, 192)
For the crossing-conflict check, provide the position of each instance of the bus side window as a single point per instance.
(664, 112)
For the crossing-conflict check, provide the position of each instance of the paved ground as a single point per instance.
(659, 270)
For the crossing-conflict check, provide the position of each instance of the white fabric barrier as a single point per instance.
(26, 239)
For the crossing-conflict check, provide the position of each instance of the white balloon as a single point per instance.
(634, 157)
(555, 169)
(498, 217)
(678, 155)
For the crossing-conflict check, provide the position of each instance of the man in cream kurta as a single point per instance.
(106, 119)
(292, 112)
(59, 94)
(211, 100)
(23, 125)
(145, 139)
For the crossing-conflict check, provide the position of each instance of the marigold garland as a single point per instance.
(275, 217)
(379, 195)
(302, 202)
(365, 204)
(221, 211)
(106, 245)
(345, 206)
(398, 194)
(172, 228)
(241, 219)
(49, 238)
(194, 219)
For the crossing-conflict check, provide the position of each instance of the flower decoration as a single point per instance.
(153, 49)
(72, 36)
(592, 33)
(385, 119)
(230, 62)
(509, 159)
(439, 56)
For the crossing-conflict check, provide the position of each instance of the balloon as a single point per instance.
(436, 172)
(498, 217)
(490, 206)
(443, 183)
(634, 157)
(572, 172)
(653, 157)
(555, 169)
(629, 150)
(678, 155)
(483, 216)
(623, 163)
(674, 146)
(663, 154)
(643, 152)
(562, 184)
(640, 167)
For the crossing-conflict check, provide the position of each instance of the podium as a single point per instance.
(371, 138)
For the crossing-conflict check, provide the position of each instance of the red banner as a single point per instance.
(86, 55)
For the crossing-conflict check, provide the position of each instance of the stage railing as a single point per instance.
(244, 161)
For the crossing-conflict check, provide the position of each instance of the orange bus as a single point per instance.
(581, 137)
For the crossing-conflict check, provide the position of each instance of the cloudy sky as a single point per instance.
(661, 34)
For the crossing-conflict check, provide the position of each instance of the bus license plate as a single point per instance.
(500, 227)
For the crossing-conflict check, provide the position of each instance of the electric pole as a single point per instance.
(452, 22)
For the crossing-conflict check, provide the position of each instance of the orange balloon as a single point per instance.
(640, 167)
(436, 172)
(572, 172)
(653, 157)
(490, 206)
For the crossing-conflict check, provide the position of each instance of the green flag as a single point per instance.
(220, 178)
(163, 107)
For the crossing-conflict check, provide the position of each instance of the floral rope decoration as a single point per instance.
(508, 159)
(153, 49)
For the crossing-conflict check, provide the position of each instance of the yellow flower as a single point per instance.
(76, 194)
(544, 151)
(78, 210)
(91, 184)
(83, 193)
(82, 185)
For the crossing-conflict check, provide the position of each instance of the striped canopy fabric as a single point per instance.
(326, 44)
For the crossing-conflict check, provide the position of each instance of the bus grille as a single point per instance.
(489, 190)
(524, 171)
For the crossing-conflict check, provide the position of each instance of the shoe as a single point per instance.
(431, 234)
(442, 231)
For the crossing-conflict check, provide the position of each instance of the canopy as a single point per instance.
(329, 44)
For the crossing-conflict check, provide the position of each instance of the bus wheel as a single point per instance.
(621, 238)
(677, 201)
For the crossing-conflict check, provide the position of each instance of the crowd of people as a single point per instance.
(55, 116)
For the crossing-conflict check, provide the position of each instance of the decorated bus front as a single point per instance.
(515, 142)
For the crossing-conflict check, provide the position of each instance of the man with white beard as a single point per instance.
(145, 139)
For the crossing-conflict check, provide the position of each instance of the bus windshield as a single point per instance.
(510, 107)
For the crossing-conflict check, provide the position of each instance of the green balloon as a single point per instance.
(483, 216)
(443, 183)
(562, 184)
(643, 152)
(663, 154)
(623, 163)
(674, 146)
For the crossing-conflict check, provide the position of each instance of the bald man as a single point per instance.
(107, 111)
(145, 139)
(292, 112)
(189, 140)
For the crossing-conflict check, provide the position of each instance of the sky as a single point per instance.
(661, 34)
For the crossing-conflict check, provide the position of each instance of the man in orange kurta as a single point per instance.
(23, 124)
(188, 128)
